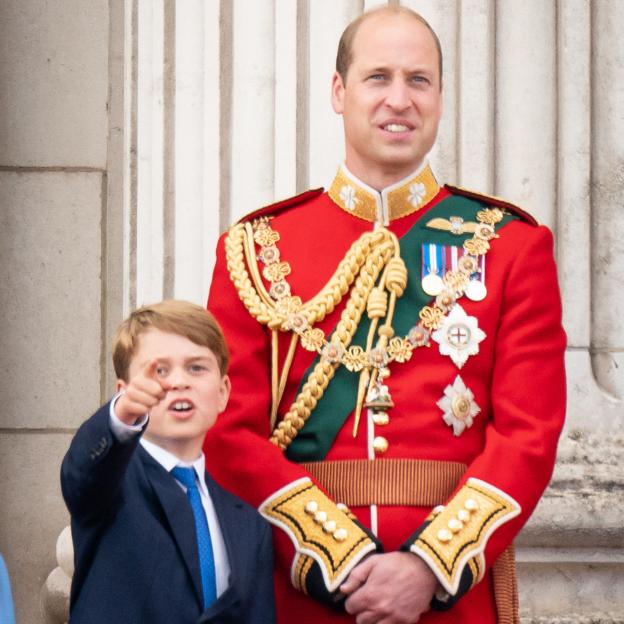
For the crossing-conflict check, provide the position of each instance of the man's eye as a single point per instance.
(376, 77)
(420, 79)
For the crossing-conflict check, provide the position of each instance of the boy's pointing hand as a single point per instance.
(144, 391)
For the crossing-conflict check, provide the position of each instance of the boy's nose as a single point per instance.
(178, 380)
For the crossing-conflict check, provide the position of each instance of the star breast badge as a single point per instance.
(459, 336)
(459, 406)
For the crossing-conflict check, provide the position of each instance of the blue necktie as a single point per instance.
(187, 477)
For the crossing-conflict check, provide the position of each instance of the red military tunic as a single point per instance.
(486, 453)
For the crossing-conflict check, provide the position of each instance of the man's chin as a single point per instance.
(399, 166)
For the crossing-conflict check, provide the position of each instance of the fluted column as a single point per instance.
(229, 109)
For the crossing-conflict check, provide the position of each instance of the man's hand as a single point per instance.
(392, 588)
(144, 391)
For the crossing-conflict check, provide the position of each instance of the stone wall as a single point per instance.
(56, 62)
(133, 131)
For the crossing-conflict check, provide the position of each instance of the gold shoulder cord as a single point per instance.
(361, 267)
(374, 254)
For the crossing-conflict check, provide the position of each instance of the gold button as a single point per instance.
(329, 526)
(381, 418)
(444, 536)
(320, 517)
(460, 407)
(471, 504)
(342, 507)
(463, 515)
(455, 525)
(340, 535)
(311, 507)
(438, 509)
(380, 444)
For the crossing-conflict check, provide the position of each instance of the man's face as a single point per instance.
(197, 390)
(391, 101)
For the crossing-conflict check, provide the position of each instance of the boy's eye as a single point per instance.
(161, 371)
(197, 368)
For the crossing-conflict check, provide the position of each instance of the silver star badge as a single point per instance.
(459, 336)
(459, 406)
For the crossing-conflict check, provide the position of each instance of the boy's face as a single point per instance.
(196, 391)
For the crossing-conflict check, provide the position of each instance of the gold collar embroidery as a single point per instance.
(398, 200)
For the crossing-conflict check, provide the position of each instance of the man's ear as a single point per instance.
(337, 93)
(120, 385)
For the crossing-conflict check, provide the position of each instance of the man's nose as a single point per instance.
(397, 95)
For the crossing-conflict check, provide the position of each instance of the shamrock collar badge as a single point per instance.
(459, 336)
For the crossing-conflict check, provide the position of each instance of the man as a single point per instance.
(397, 363)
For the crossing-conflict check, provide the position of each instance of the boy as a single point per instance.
(152, 544)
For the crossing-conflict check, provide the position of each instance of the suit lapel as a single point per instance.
(179, 515)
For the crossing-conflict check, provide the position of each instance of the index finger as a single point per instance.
(150, 371)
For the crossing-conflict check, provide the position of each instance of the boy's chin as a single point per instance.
(185, 446)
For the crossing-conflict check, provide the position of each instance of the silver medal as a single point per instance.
(432, 284)
(476, 290)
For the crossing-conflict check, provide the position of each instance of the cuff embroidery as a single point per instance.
(457, 535)
(319, 529)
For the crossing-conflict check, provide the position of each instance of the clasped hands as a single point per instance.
(390, 588)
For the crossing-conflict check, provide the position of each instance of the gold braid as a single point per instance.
(366, 259)
(254, 295)
(323, 372)
(362, 264)
(235, 256)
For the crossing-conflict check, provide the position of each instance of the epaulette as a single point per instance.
(493, 201)
(281, 206)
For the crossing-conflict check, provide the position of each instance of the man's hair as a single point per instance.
(344, 57)
(172, 316)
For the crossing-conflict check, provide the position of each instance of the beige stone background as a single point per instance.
(133, 131)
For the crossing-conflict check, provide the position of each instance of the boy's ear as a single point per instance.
(120, 385)
(224, 395)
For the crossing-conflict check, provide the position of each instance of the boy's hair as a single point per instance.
(173, 316)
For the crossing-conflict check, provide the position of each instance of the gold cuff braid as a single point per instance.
(458, 534)
(318, 529)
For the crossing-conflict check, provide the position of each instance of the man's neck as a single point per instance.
(380, 178)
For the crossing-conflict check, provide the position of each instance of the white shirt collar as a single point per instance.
(169, 461)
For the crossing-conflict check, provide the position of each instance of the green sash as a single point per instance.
(317, 435)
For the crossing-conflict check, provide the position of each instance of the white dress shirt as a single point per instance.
(169, 461)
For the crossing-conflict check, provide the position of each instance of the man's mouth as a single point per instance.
(395, 127)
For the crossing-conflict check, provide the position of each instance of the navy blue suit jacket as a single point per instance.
(135, 549)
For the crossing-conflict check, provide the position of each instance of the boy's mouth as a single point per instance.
(181, 406)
